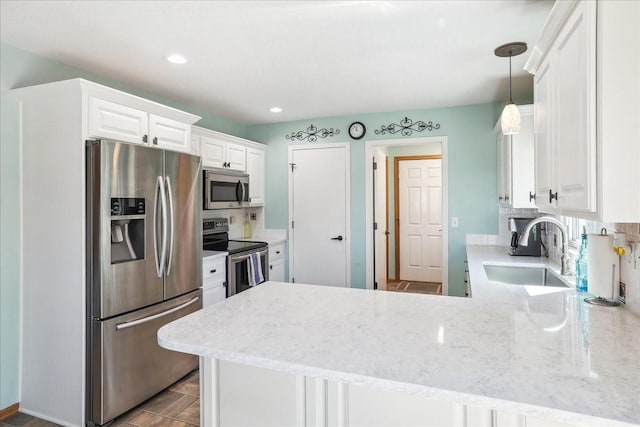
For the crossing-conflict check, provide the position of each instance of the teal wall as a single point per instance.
(18, 69)
(472, 174)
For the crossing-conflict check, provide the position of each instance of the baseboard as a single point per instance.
(9, 411)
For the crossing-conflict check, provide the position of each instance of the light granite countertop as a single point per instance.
(214, 254)
(270, 236)
(546, 355)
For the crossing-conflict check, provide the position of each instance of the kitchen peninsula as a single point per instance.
(293, 354)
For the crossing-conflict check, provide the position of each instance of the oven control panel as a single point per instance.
(214, 225)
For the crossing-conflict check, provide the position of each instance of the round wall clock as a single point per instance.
(357, 130)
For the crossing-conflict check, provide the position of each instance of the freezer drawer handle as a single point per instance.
(155, 316)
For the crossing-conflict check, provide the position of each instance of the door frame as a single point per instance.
(347, 232)
(396, 202)
(368, 167)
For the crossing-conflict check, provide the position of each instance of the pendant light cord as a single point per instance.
(510, 100)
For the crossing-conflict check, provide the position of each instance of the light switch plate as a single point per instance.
(454, 221)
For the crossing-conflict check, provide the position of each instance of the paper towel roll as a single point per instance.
(600, 264)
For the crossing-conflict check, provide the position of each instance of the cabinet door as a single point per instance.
(276, 270)
(504, 170)
(522, 162)
(255, 169)
(212, 152)
(543, 135)
(575, 137)
(169, 134)
(114, 121)
(236, 156)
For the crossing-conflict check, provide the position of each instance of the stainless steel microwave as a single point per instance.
(224, 189)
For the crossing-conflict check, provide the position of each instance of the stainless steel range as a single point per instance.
(215, 237)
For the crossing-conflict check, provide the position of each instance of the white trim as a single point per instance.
(343, 404)
(209, 392)
(322, 397)
(368, 167)
(301, 400)
(347, 231)
(20, 251)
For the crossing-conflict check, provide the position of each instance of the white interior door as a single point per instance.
(319, 228)
(420, 193)
(381, 234)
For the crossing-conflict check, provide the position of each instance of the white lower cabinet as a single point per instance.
(276, 262)
(238, 395)
(214, 274)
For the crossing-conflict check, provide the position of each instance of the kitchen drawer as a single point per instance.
(276, 251)
(214, 267)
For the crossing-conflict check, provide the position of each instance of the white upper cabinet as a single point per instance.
(516, 163)
(169, 134)
(587, 104)
(212, 151)
(112, 114)
(236, 155)
(219, 150)
(256, 171)
(115, 121)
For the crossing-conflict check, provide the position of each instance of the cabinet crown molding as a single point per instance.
(555, 22)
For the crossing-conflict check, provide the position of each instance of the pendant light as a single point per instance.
(510, 120)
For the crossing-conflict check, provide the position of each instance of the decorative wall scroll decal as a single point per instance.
(312, 134)
(407, 127)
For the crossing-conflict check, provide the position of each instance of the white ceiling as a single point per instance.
(312, 58)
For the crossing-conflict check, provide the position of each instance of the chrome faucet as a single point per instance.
(524, 239)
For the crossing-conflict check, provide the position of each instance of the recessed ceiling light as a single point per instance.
(275, 110)
(176, 58)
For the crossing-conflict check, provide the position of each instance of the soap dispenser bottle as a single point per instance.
(581, 265)
(246, 228)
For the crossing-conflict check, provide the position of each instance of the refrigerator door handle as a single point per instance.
(160, 260)
(171, 224)
(136, 322)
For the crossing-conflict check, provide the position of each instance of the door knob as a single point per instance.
(386, 233)
(337, 238)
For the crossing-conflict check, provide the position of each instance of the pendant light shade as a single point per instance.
(510, 120)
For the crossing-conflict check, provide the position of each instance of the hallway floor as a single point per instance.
(430, 288)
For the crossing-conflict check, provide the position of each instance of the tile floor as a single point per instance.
(178, 406)
(430, 288)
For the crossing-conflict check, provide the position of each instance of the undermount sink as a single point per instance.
(520, 275)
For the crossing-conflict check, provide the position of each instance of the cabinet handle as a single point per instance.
(277, 252)
(500, 198)
(144, 138)
(506, 198)
(155, 140)
(213, 271)
(271, 267)
(531, 196)
(552, 196)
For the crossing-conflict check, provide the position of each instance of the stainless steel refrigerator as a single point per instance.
(143, 270)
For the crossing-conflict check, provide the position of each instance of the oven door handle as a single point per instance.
(239, 258)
